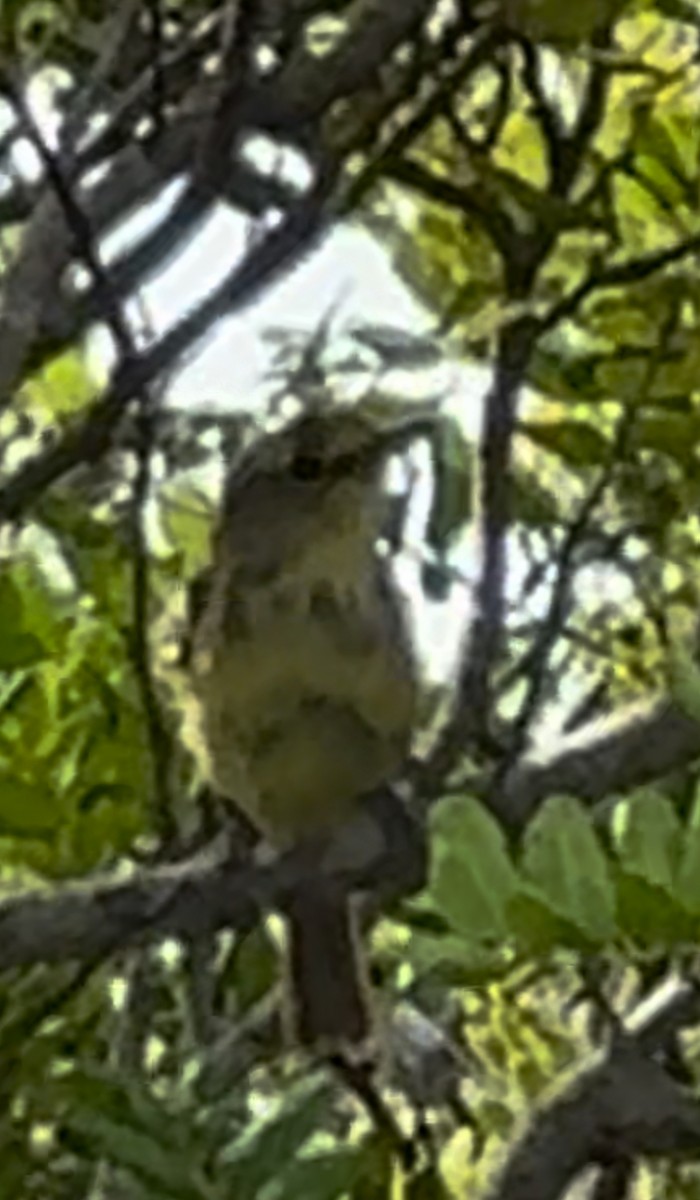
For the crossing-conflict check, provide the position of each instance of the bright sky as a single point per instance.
(228, 368)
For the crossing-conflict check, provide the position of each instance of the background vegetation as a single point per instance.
(533, 170)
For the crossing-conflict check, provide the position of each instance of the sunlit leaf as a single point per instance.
(186, 515)
(563, 860)
(648, 838)
(577, 442)
(472, 878)
(266, 1146)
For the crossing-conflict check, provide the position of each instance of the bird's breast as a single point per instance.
(306, 694)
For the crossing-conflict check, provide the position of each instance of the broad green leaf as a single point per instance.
(577, 442)
(623, 320)
(22, 650)
(472, 878)
(566, 866)
(648, 838)
(671, 434)
(623, 377)
(47, 613)
(565, 376)
(537, 927)
(106, 828)
(27, 809)
(649, 916)
(18, 647)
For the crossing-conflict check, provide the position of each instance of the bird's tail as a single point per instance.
(329, 1001)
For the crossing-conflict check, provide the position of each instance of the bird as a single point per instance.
(303, 673)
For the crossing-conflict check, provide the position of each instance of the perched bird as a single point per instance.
(302, 671)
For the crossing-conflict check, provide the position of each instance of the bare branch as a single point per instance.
(615, 755)
(194, 899)
(624, 1107)
(628, 1107)
(309, 85)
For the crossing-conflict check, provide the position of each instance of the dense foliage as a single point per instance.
(533, 171)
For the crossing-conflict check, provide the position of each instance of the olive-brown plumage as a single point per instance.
(303, 676)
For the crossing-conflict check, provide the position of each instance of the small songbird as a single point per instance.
(304, 681)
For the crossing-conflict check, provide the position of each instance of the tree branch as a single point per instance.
(373, 852)
(637, 747)
(624, 1107)
(91, 438)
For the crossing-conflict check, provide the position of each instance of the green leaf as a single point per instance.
(186, 516)
(254, 967)
(46, 613)
(105, 1117)
(376, 1179)
(133, 1150)
(456, 961)
(399, 348)
(427, 1184)
(577, 442)
(27, 810)
(97, 551)
(649, 915)
(566, 26)
(537, 927)
(623, 377)
(672, 434)
(472, 876)
(556, 369)
(64, 387)
(321, 1176)
(266, 1146)
(453, 495)
(567, 868)
(659, 140)
(18, 648)
(683, 675)
(125, 1102)
(648, 838)
(533, 506)
(688, 884)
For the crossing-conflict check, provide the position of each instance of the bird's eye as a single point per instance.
(306, 467)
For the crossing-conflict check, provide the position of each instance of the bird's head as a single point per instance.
(327, 448)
